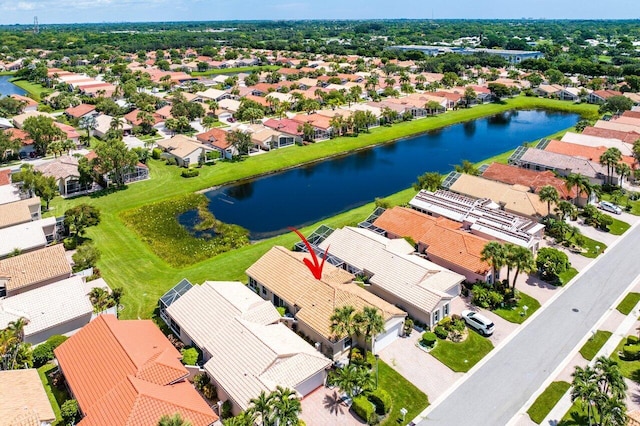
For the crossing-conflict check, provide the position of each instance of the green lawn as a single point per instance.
(568, 275)
(515, 314)
(55, 395)
(576, 416)
(594, 344)
(618, 227)
(128, 262)
(460, 357)
(547, 400)
(36, 91)
(623, 202)
(594, 248)
(235, 70)
(629, 369)
(628, 303)
(403, 393)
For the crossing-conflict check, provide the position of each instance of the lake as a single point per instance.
(8, 88)
(266, 206)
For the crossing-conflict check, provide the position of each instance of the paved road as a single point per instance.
(498, 389)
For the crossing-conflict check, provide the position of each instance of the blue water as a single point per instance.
(267, 206)
(8, 88)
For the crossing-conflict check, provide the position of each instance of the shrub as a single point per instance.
(190, 356)
(408, 326)
(281, 310)
(42, 354)
(551, 263)
(382, 400)
(209, 391)
(485, 297)
(445, 322)
(156, 153)
(69, 411)
(364, 408)
(632, 340)
(441, 332)
(56, 340)
(631, 352)
(189, 173)
(226, 410)
(201, 380)
(429, 338)
(356, 356)
(70, 243)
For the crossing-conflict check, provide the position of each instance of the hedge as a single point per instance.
(382, 400)
(441, 332)
(43, 353)
(631, 352)
(429, 338)
(364, 408)
(189, 173)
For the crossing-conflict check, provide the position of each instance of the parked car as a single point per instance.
(478, 322)
(610, 207)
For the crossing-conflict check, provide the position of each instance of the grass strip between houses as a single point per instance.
(594, 344)
(543, 405)
(517, 313)
(628, 303)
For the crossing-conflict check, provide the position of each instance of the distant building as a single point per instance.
(513, 56)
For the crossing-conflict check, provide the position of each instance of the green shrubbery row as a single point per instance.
(43, 353)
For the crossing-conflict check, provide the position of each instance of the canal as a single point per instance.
(268, 205)
(7, 88)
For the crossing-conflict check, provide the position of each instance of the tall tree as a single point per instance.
(494, 254)
(523, 261)
(8, 145)
(548, 194)
(431, 181)
(240, 140)
(343, 323)
(261, 409)
(610, 159)
(623, 170)
(115, 159)
(370, 323)
(43, 132)
(578, 182)
(77, 219)
(286, 406)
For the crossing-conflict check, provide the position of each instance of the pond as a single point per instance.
(268, 205)
(8, 88)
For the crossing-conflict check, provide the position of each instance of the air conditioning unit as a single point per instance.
(317, 346)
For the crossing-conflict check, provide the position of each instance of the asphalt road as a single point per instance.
(497, 390)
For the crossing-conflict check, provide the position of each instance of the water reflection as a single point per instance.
(240, 191)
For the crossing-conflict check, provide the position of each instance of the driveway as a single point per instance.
(423, 370)
(323, 407)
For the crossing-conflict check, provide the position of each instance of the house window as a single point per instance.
(445, 310)
(253, 284)
(436, 316)
(174, 326)
(264, 290)
(346, 344)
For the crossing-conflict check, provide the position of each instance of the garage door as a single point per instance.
(311, 384)
(384, 340)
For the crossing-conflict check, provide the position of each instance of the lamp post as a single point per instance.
(377, 357)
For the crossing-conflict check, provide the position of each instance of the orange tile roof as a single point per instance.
(628, 137)
(80, 110)
(316, 120)
(5, 177)
(20, 135)
(215, 137)
(127, 373)
(516, 176)
(28, 101)
(632, 114)
(443, 237)
(588, 152)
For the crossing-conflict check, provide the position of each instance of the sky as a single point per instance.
(83, 11)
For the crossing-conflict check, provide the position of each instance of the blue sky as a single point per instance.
(68, 11)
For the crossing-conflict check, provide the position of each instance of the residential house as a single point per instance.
(442, 240)
(590, 153)
(395, 274)
(61, 307)
(185, 150)
(573, 93)
(481, 217)
(266, 138)
(549, 90)
(517, 199)
(9, 192)
(18, 120)
(18, 212)
(597, 141)
(286, 126)
(80, 111)
(5, 123)
(28, 236)
(281, 276)
(70, 132)
(29, 104)
(217, 139)
(32, 270)
(103, 125)
(212, 95)
(322, 129)
(65, 171)
(24, 400)
(628, 137)
(246, 348)
(601, 96)
(128, 373)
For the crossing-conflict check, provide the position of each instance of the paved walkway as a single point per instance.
(323, 407)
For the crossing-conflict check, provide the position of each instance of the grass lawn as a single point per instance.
(515, 313)
(547, 400)
(629, 369)
(576, 416)
(567, 275)
(37, 91)
(460, 357)
(623, 202)
(593, 345)
(235, 70)
(128, 262)
(628, 303)
(618, 227)
(594, 248)
(403, 393)
(55, 395)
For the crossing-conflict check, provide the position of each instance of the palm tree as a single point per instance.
(610, 378)
(565, 209)
(466, 167)
(623, 170)
(579, 183)
(610, 159)
(261, 408)
(494, 254)
(523, 261)
(286, 406)
(343, 323)
(17, 328)
(353, 379)
(175, 420)
(370, 323)
(585, 389)
(548, 194)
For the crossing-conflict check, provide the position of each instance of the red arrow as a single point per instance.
(315, 267)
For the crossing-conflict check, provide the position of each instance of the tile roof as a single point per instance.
(518, 176)
(181, 146)
(17, 212)
(316, 120)
(80, 110)
(127, 373)
(629, 137)
(250, 350)
(563, 162)
(35, 267)
(215, 137)
(20, 135)
(443, 237)
(62, 167)
(22, 393)
(613, 125)
(583, 151)
(5, 177)
(394, 267)
(284, 125)
(283, 272)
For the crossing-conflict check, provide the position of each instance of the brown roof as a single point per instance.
(17, 212)
(35, 267)
(127, 373)
(28, 101)
(632, 114)
(589, 152)
(443, 237)
(33, 398)
(516, 176)
(629, 137)
(80, 110)
(316, 120)
(5, 177)
(214, 137)
(283, 272)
